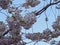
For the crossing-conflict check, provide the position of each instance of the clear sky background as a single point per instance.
(40, 25)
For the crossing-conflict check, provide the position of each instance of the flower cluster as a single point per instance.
(31, 3)
(4, 3)
(25, 21)
(39, 36)
(29, 19)
(56, 24)
(34, 36)
(55, 34)
(13, 10)
(16, 21)
(14, 26)
(9, 40)
(47, 35)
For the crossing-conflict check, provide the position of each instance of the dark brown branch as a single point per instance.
(44, 8)
(5, 33)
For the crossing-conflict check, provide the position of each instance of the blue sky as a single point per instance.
(40, 25)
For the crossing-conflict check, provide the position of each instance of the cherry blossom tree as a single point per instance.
(15, 21)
